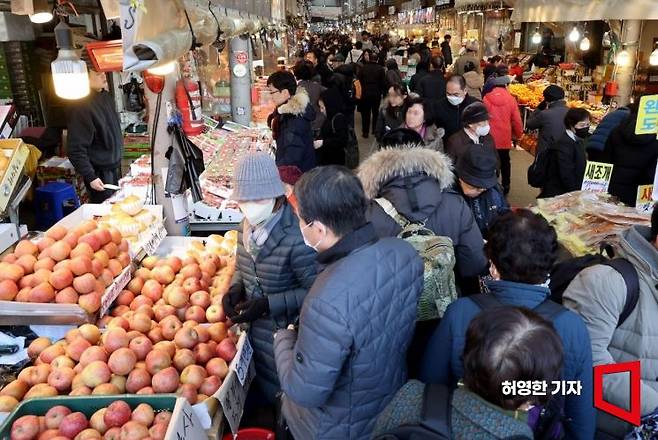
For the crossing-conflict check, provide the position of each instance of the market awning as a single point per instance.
(583, 10)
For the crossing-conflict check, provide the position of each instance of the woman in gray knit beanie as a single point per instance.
(274, 268)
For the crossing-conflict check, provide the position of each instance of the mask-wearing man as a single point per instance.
(475, 131)
(448, 112)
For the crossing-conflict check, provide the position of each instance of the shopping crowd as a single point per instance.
(396, 297)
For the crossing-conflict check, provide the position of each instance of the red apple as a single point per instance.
(73, 424)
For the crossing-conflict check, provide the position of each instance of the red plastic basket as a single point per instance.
(252, 434)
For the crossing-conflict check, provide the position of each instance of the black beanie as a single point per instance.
(473, 113)
(553, 93)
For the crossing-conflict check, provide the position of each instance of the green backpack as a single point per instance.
(438, 255)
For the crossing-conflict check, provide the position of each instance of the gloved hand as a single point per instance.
(251, 310)
(231, 299)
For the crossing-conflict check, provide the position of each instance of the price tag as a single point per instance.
(241, 366)
(644, 200)
(184, 423)
(114, 289)
(647, 116)
(597, 177)
(157, 234)
(232, 396)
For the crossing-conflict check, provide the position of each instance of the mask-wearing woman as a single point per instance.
(416, 117)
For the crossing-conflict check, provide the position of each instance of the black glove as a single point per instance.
(230, 300)
(251, 310)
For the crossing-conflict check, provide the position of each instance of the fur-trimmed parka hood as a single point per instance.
(297, 105)
(408, 160)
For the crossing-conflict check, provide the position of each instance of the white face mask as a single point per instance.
(482, 130)
(306, 242)
(257, 213)
(455, 100)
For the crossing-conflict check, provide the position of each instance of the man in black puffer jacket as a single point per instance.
(274, 269)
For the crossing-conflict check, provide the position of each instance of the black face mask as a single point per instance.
(582, 133)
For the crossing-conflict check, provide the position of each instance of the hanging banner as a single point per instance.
(597, 177)
(647, 116)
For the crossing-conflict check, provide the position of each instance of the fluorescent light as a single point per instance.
(163, 69)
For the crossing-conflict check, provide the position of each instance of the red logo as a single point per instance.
(632, 416)
(241, 57)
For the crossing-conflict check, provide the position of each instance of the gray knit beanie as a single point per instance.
(256, 177)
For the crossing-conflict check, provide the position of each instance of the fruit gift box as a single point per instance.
(163, 417)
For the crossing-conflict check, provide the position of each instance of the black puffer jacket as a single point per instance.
(373, 81)
(449, 116)
(428, 173)
(388, 120)
(432, 86)
(634, 158)
(566, 167)
(285, 269)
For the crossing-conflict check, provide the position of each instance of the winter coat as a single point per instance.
(343, 80)
(285, 269)
(598, 139)
(549, 122)
(373, 81)
(387, 122)
(95, 139)
(598, 295)
(474, 84)
(447, 53)
(385, 174)
(505, 119)
(449, 116)
(314, 89)
(334, 139)
(471, 416)
(463, 59)
(415, 79)
(348, 359)
(433, 137)
(442, 362)
(634, 159)
(291, 129)
(458, 144)
(432, 86)
(487, 207)
(354, 56)
(566, 167)
(393, 78)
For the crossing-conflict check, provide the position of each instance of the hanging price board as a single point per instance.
(597, 177)
(647, 116)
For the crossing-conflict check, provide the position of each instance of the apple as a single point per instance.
(73, 424)
(141, 346)
(157, 360)
(114, 339)
(62, 362)
(170, 326)
(61, 378)
(161, 311)
(55, 415)
(155, 335)
(35, 375)
(82, 391)
(186, 337)
(210, 385)
(37, 346)
(218, 331)
(188, 392)
(120, 322)
(25, 428)
(93, 353)
(89, 434)
(134, 431)
(143, 414)
(146, 390)
(226, 350)
(152, 289)
(215, 313)
(165, 381)
(40, 390)
(178, 297)
(194, 375)
(183, 358)
(106, 389)
(158, 431)
(163, 417)
(217, 367)
(8, 403)
(118, 413)
(140, 322)
(90, 332)
(122, 361)
(97, 421)
(203, 353)
(137, 379)
(96, 373)
(75, 349)
(166, 346)
(16, 389)
(119, 382)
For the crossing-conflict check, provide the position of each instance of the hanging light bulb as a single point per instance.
(584, 44)
(536, 37)
(623, 58)
(574, 35)
(70, 76)
(653, 58)
(42, 12)
(163, 69)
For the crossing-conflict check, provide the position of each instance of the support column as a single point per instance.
(240, 65)
(625, 74)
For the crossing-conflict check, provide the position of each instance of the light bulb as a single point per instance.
(42, 13)
(623, 58)
(70, 76)
(653, 59)
(536, 37)
(163, 69)
(41, 17)
(584, 44)
(574, 35)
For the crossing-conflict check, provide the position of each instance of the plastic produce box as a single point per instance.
(184, 423)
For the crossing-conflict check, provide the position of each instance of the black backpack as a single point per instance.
(435, 419)
(538, 170)
(563, 273)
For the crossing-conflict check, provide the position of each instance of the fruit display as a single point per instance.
(130, 217)
(117, 421)
(526, 95)
(65, 266)
(596, 113)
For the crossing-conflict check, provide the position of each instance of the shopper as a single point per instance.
(343, 80)
(274, 268)
(95, 139)
(305, 74)
(505, 124)
(447, 113)
(492, 66)
(549, 117)
(478, 184)
(373, 85)
(356, 55)
(493, 78)
(291, 122)
(566, 158)
(515, 69)
(522, 248)
(470, 54)
(474, 81)
(330, 145)
(316, 58)
(347, 359)
(634, 159)
(596, 142)
(393, 77)
(391, 114)
(433, 85)
(446, 50)
(599, 295)
(417, 118)
(478, 407)
(422, 70)
(475, 120)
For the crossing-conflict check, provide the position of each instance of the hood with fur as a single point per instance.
(407, 160)
(297, 105)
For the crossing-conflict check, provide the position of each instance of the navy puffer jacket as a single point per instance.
(285, 269)
(348, 359)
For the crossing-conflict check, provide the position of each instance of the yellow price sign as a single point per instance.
(644, 200)
(647, 116)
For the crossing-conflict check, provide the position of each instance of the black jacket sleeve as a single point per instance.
(338, 137)
(566, 165)
(81, 133)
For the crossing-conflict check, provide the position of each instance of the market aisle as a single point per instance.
(521, 194)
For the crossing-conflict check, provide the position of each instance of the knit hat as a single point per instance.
(553, 93)
(477, 167)
(256, 177)
(289, 174)
(339, 57)
(476, 112)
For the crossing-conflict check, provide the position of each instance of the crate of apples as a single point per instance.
(65, 266)
(90, 418)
